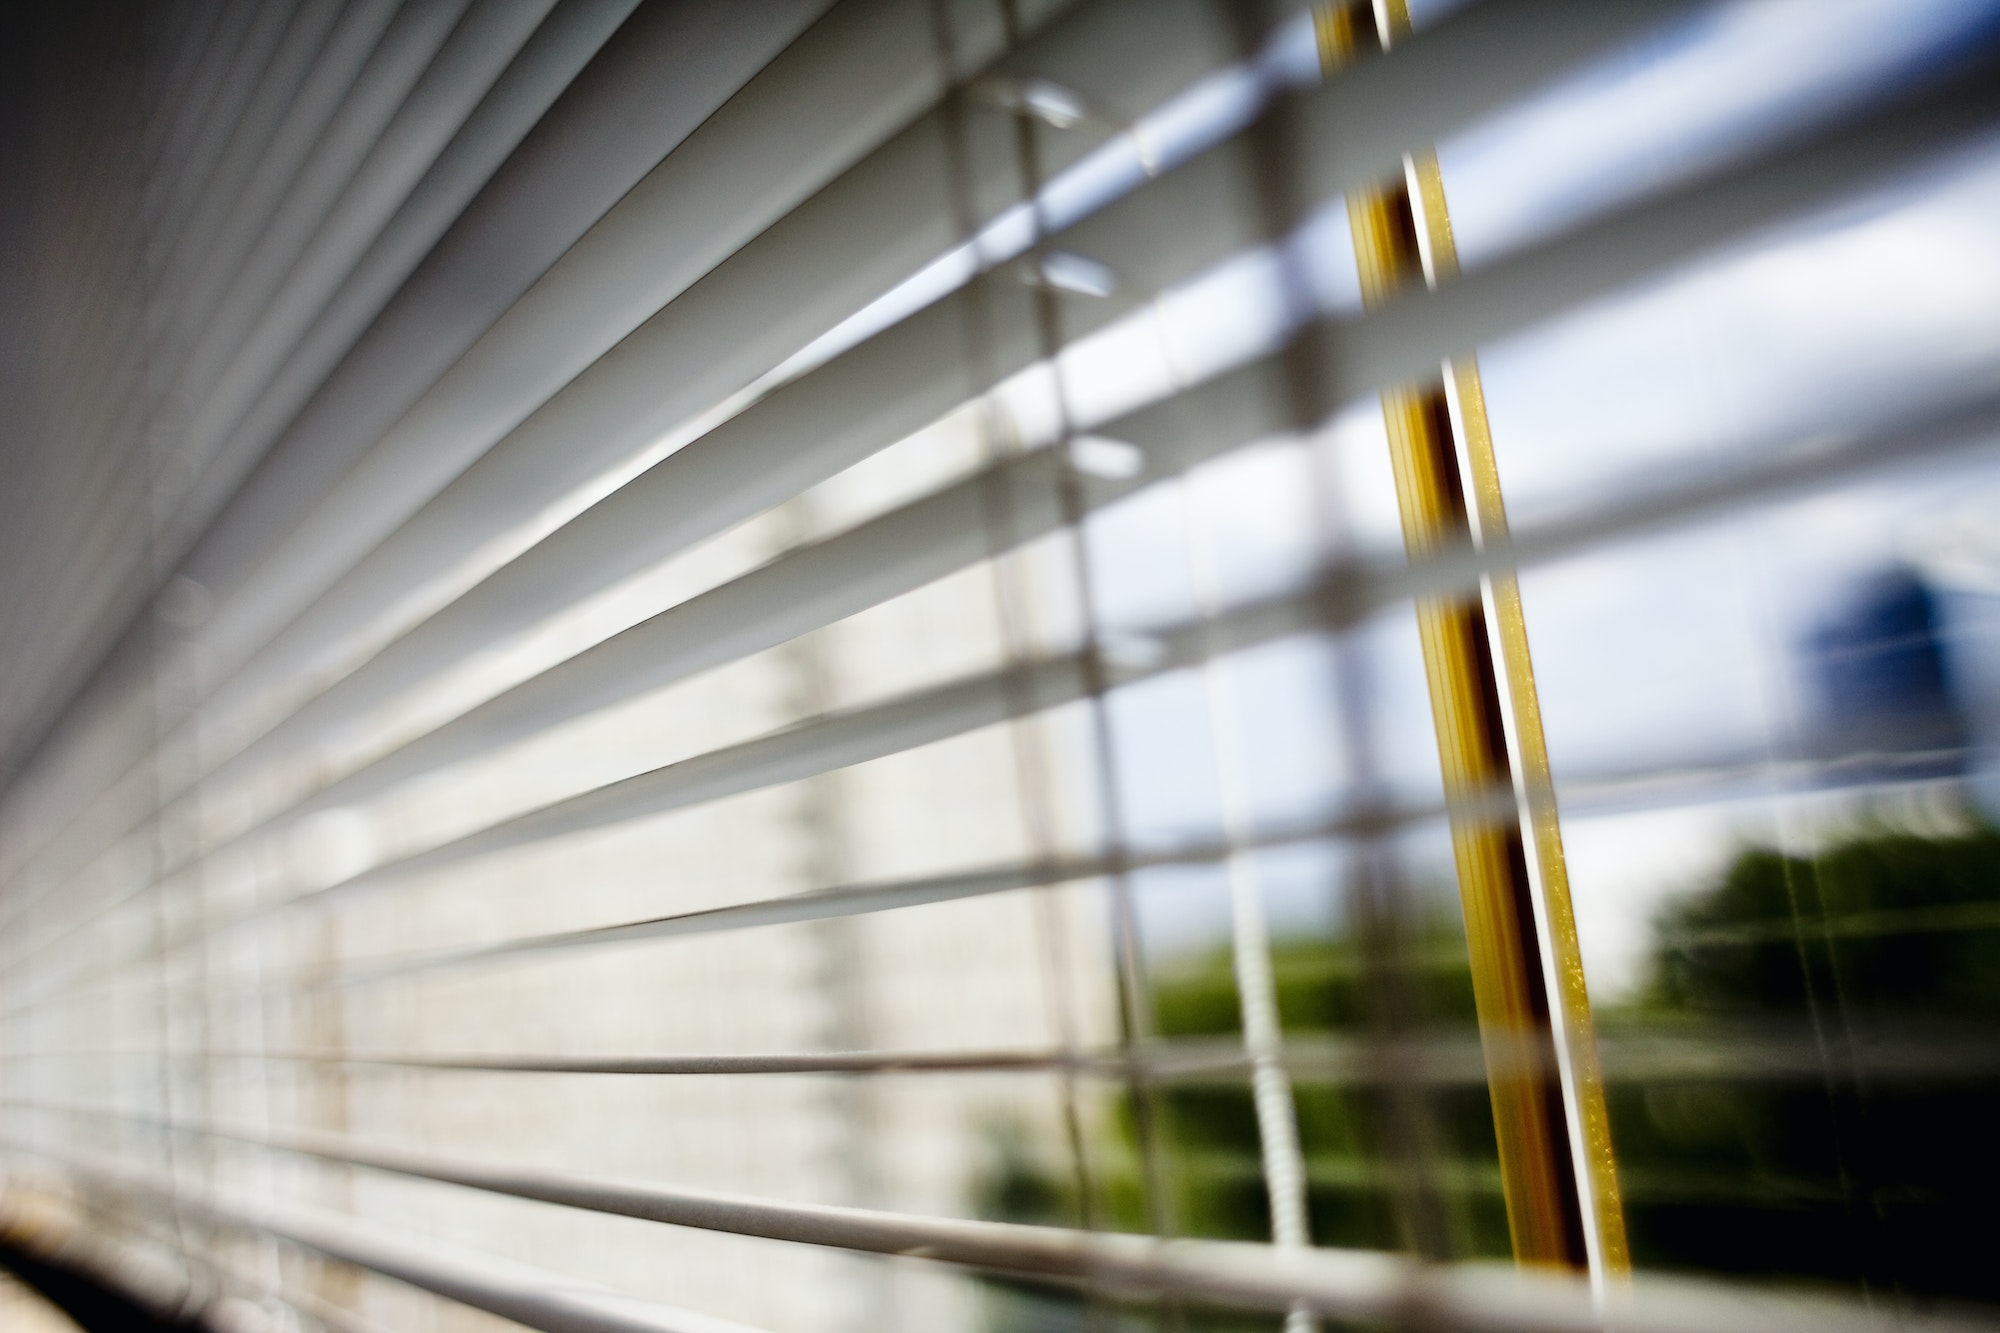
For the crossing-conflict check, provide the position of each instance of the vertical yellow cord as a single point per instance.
(1576, 1031)
(1489, 735)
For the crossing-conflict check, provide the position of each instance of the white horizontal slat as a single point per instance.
(1407, 339)
(842, 739)
(90, 598)
(1349, 596)
(607, 132)
(188, 31)
(545, 69)
(1353, 355)
(180, 134)
(744, 166)
(831, 97)
(520, 1292)
(280, 44)
(807, 272)
(668, 68)
(227, 366)
(1255, 401)
(1159, 235)
(284, 77)
(459, 77)
(928, 538)
(1343, 1283)
(376, 54)
(637, 524)
(1446, 1058)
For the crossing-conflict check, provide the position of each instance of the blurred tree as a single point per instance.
(1205, 1135)
(1880, 957)
(1854, 1143)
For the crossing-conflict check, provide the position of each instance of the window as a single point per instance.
(1025, 665)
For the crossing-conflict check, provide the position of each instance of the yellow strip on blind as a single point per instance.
(1489, 732)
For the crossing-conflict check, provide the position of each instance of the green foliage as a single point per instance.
(1887, 927)
(1812, 1170)
(1204, 1135)
(1887, 943)
(1206, 1145)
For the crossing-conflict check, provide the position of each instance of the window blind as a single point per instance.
(640, 699)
